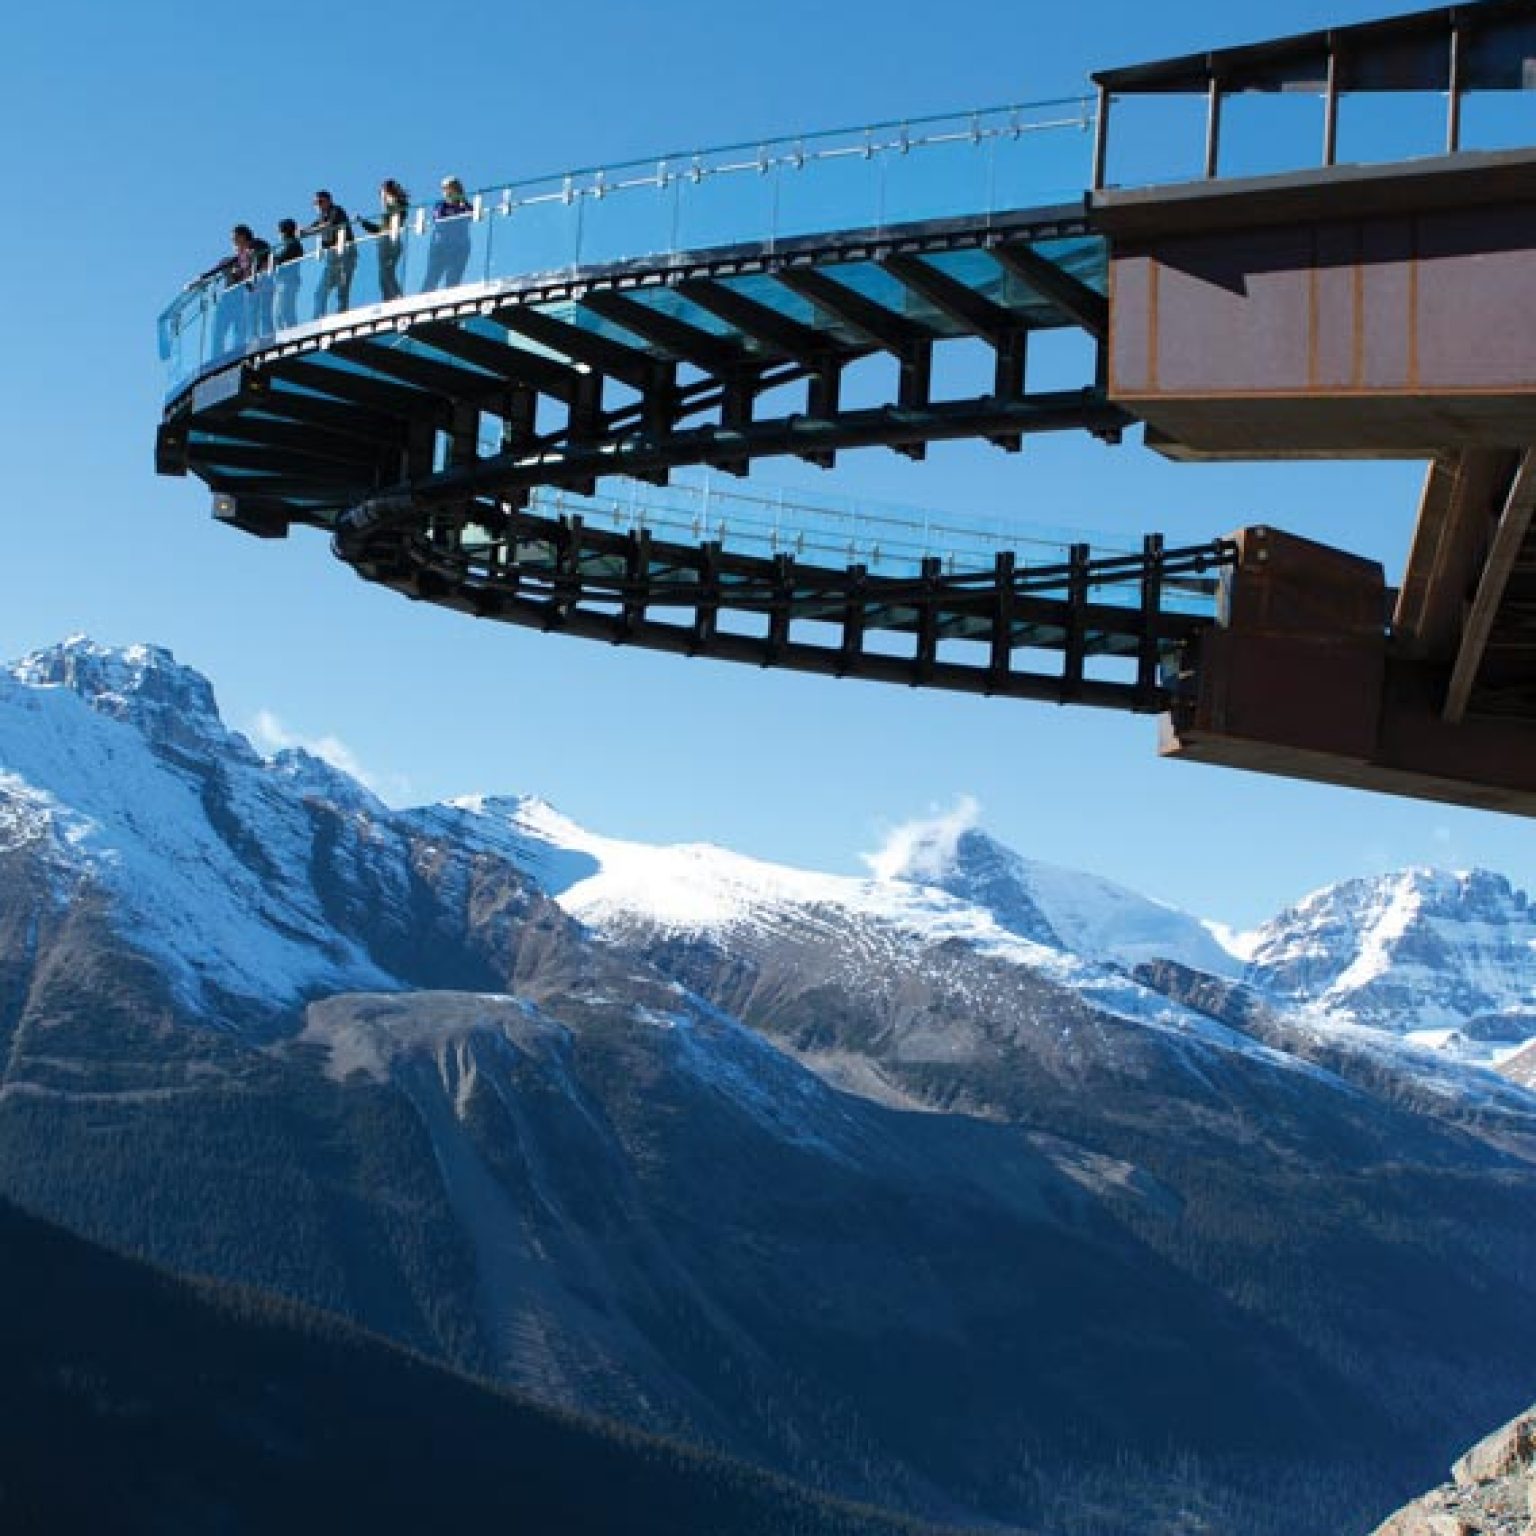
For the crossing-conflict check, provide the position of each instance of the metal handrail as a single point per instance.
(893, 136)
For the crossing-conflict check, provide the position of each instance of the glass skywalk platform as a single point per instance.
(699, 309)
(610, 328)
(774, 198)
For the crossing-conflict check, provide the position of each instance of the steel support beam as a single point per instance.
(1509, 537)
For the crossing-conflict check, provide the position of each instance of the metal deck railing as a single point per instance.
(969, 164)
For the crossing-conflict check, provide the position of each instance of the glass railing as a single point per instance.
(1158, 139)
(972, 165)
(833, 533)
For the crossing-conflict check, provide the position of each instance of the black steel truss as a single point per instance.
(645, 368)
(406, 432)
(1012, 631)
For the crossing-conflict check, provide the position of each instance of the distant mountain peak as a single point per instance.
(971, 864)
(1059, 908)
(314, 778)
(1417, 949)
(144, 685)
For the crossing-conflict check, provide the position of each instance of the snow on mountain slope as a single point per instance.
(1059, 907)
(116, 766)
(1421, 952)
(1357, 956)
(698, 888)
(699, 891)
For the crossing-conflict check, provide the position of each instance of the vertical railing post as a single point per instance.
(851, 652)
(927, 652)
(1151, 607)
(781, 606)
(1453, 92)
(1213, 129)
(637, 582)
(1331, 111)
(1001, 658)
(706, 602)
(566, 593)
(1074, 639)
(1101, 140)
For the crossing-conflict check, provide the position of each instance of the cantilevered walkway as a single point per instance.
(704, 311)
(546, 441)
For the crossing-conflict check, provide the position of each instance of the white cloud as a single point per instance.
(923, 850)
(268, 734)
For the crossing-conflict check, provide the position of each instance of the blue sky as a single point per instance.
(133, 136)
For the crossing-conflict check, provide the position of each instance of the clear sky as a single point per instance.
(133, 136)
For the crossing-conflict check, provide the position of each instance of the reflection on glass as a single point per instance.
(1154, 140)
(1037, 163)
(941, 180)
(1377, 126)
(1498, 120)
(833, 531)
(831, 189)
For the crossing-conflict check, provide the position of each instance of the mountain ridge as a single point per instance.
(1343, 949)
(848, 1177)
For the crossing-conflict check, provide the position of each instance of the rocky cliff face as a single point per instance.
(1423, 952)
(965, 1187)
(1521, 1067)
(1492, 1491)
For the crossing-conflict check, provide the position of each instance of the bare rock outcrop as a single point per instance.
(1492, 1491)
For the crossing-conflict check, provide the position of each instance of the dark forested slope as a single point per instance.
(132, 1401)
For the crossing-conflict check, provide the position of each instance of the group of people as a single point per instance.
(258, 282)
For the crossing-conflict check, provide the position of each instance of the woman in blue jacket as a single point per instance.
(449, 254)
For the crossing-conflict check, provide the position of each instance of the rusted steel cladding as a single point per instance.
(1409, 330)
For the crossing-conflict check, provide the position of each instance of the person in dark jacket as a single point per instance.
(394, 210)
(260, 286)
(449, 254)
(286, 254)
(334, 228)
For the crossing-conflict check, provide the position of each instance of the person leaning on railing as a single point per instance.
(449, 253)
(239, 270)
(334, 228)
(394, 210)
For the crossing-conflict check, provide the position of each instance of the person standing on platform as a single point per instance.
(394, 210)
(234, 314)
(286, 254)
(259, 286)
(334, 228)
(449, 254)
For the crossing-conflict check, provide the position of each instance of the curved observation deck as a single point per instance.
(802, 296)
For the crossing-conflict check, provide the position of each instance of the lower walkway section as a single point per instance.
(920, 604)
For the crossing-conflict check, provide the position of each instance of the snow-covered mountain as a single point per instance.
(117, 762)
(1445, 961)
(116, 768)
(1061, 908)
(1444, 958)
(786, 1162)
(937, 881)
